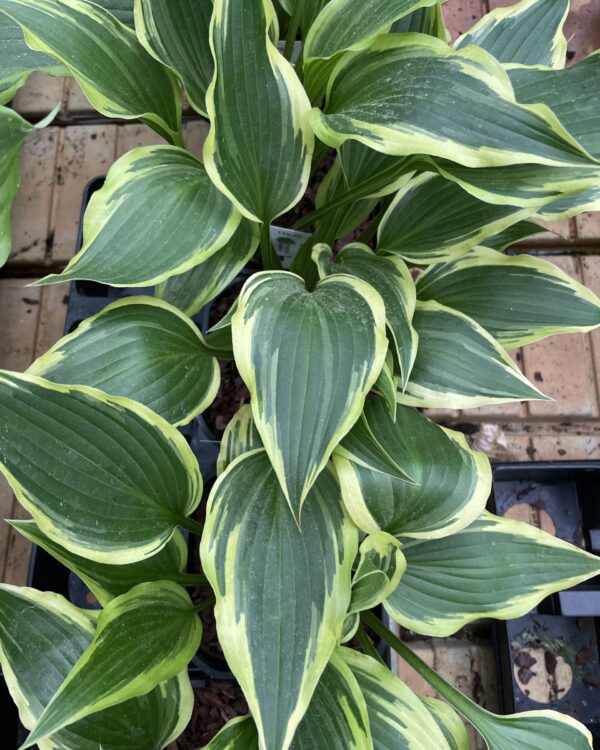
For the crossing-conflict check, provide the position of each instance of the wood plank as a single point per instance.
(33, 202)
(565, 447)
(40, 95)
(460, 15)
(562, 367)
(583, 29)
(19, 314)
(588, 225)
(135, 135)
(85, 152)
(194, 135)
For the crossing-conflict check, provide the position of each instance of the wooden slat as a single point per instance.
(84, 153)
(583, 29)
(19, 313)
(32, 206)
(561, 366)
(460, 15)
(40, 95)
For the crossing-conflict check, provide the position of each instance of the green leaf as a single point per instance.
(450, 723)
(102, 476)
(177, 34)
(432, 219)
(471, 117)
(354, 24)
(107, 581)
(258, 111)
(537, 730)
(13, 131)
(371, 174)
(397, 717)
(306, 11)
(387, 384)
(380, 568)
(428, 20)
(277, 632)
(392, 279)
(514, 234)
(240, 436)
(114, 71)
(529, 32)
(336, 718)
(151, 194)
(518, 299)
(45, 629)
(509, 567)
(326, 347)
(526, 185)
(572, 205)
(143, 638)
(140, 348)
(18, 61)
(451, 482)
(191, 290)
(459, 365)
(571, 94)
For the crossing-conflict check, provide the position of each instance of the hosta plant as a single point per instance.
(337, 497)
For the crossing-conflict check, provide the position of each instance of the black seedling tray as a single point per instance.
(549, 659)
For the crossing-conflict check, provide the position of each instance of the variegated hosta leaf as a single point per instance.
(260, 145)
(350, 213)
(450, 723)
(432, 219)
(570, 93)
(370, 173)
(191, 290)
(451, 482)
(518, 299)
(529, 32)
(240, 436)
(141, 348)
(459, 365)
(573, 205)
(387, 385)
(177, 34)
(102, 476)
(277, 632)
(13, 131)
(397, 717)
(107, 581)
(151, 195)
(45, 629)
(534, 730)
(305, 11)
(352, 24)
(526, 185)
(428, 20)
(378, 97)
(380, 568)
(114, 71)
(18, 61)
(391, 278)
(510, 567)
(336, 718)
(538, 730)
(309, 359)
(516, 233)
(143, 638)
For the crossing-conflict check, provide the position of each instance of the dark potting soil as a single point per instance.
(214, 706)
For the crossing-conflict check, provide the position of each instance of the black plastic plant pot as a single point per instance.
(549, 659)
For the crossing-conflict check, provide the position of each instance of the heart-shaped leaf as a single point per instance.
(151, 194)
(102, 476)
(309, 360)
